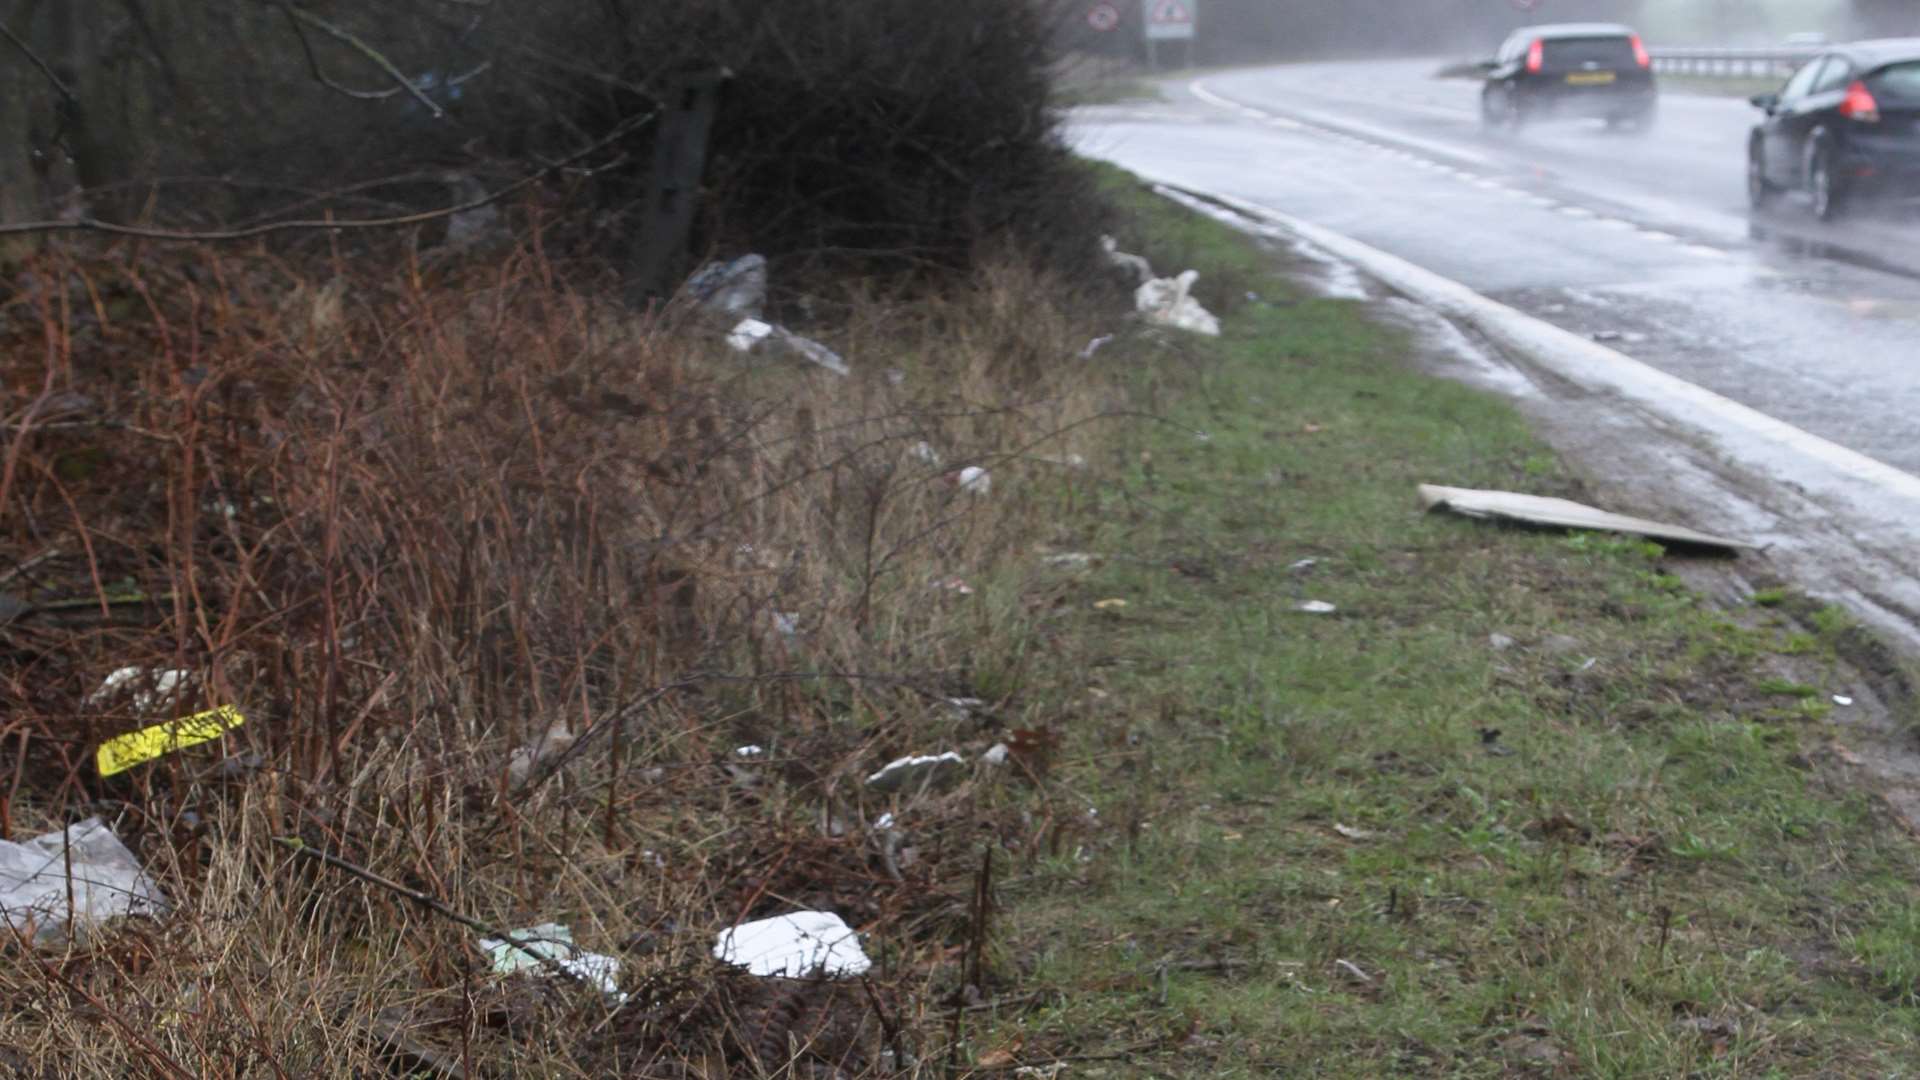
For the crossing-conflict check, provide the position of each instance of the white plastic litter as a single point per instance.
(883, 822)
(915, 771)
(796, 946)
(737, 288)
(749, 751)
(154, 686)
(107, 883)
(997, 755)
(525, 759)
(1133, 264)
(555, 942)
(924, 452)
(787, 623)
(1165, 302)
(1842, 700)
(975, 480)
(747, 334)
(1317, 607)
(811, 351)
(1095, 346)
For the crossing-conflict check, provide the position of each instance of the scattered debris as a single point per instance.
(957, 586)
(749, 751)
(1133, 264)
(37, 895)
(748, 334)
(996, 756)
(1317, 607)
(1352, 833)
(1303, 565)
(1114, 604)
(810, 350)
(1167, 302)
(883, 822)
(787, 623)
(152, 686)
(525, 759)
(1501, 642)
(737, 288)
(916, 771)
(975, 480)
(1095, 346)
(123, 752)
(1353, 969)
(1071, 560)
(1842, 700)
(924, 452)
(1490, 738)
(553, 941)
(796, 946)
(1561, 513)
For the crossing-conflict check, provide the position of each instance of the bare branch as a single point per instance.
(342, 35)
(39, 63)
(268, 228)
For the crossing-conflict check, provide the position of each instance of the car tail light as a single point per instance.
(1536, 56)
(1640, 54)
(1859, 104)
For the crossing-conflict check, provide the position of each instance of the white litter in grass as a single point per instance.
(924, 452)
(749, 333)
(525, 759)
(1095, 346)
(796, 946)
(749, 750)
(1842, 699)
(883, 822)
(1317, 607)
(1132, 264)
(914, 771)
(154, 686)
(555, 942)
(787, 623)
(1303, 565)
(737, 288)
(1071, 560)
(811, 351)
(975, 480)
(1167, 302)
(107, 882)
(997, 755)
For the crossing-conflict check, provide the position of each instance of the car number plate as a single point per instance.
(1591, 78)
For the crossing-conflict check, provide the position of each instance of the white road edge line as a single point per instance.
(1344, 129)
(1595, 367)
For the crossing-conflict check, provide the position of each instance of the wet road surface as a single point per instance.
(1643, 242)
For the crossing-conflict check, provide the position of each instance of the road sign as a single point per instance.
(1170, 20)
(1103, 17)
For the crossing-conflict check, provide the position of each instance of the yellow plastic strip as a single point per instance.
(123, 752)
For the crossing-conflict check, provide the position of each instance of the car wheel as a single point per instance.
(1761, 192)
(1829, 196)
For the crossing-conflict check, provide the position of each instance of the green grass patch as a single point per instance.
(1522, 805)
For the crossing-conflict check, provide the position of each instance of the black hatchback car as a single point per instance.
(1573, 70)
(1846, 125)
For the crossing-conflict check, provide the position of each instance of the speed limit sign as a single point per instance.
(1103, 17)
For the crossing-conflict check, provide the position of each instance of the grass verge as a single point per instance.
(1524, 805)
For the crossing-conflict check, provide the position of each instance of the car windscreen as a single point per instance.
(1897, 84)
(1572, 54)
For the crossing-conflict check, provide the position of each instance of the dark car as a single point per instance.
(1573, 70)
(1847, 125)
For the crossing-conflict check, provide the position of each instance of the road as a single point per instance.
(1644, 242)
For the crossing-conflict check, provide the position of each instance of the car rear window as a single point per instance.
(1566, 54)
(1898, 84)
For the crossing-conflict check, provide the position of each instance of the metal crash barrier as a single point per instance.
(1731, 63)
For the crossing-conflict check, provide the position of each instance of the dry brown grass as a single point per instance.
(407, 520)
